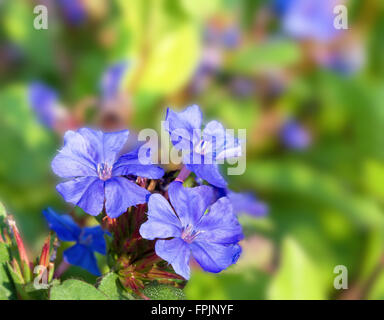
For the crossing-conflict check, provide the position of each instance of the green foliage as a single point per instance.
(274, 54)
(159, 33)
(228, 285)
(76, 290)
(163, 292)
(297, 277)
(110, 285)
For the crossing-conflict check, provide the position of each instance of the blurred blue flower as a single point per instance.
(244, 202)
(88, 241)
(44, 102)
(90, 160)
(212, 237)
(202, 149)
(111, 79)
(294, 136)
(309, 19)
(73, 11)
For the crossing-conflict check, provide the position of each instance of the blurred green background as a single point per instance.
(236, 60)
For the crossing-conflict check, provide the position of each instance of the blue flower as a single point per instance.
(202, 150)
(244, 202)
(294, 136)
(44, 102)
(111, 80)
(211, 236)
(90, 160)
(309, 19)
(88, 241)
(74, 11)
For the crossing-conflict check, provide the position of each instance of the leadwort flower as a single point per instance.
(88, 240)
(203, 149)
(44, 102)
(244, 202)
(111, 80)
(295, 136)
(90, 160)
(310, 19)
(211, 236)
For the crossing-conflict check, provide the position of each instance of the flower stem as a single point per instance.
(183, 174)
(61, 269)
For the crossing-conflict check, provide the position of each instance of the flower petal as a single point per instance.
(120, 194)
(85, 192)
(77, 157)
(129, 163)
(224, 145)
(82, 256)
(208, 172)
(108, 144)
(190, 203)
(220, 224)
(111, 79)
(162, 221)
(64, 226)
(214, 257)
(43, 101)
(184, 127)
(247, 203)
(177, 253)
(96, 237)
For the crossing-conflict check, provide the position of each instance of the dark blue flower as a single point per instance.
(88, 241)
(294, 136)
(202, 149)
(310, 19)
(111, 80)
(244, 202)
(44, 102)
(90, 160)
(211, 236)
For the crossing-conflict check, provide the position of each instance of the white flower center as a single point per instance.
(104, 171)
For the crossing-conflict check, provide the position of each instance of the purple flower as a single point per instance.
(44, 102)
(212, 237)
(202, 149)
(295, 136)
(88, 241)
(310, 19)
(90, 160)
(74, 11)
(244, 202)
(111, 80)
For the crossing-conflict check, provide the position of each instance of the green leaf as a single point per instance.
(163, 292)
(76, 290)
(273, 54)
(4, 253)
(295, 179)
(247, 283)
(165, 46)
(297, 277)
(111, 287)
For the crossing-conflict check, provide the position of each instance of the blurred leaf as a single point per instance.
(299, 180)
(374, 177)
(265, 56)
(75, 290)
(249, 283)
(377, 291)
(18, 24)
(164, 48)
(163, 292)
(110, 286)
(297, 277)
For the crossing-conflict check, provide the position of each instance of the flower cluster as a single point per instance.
(154, 221)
